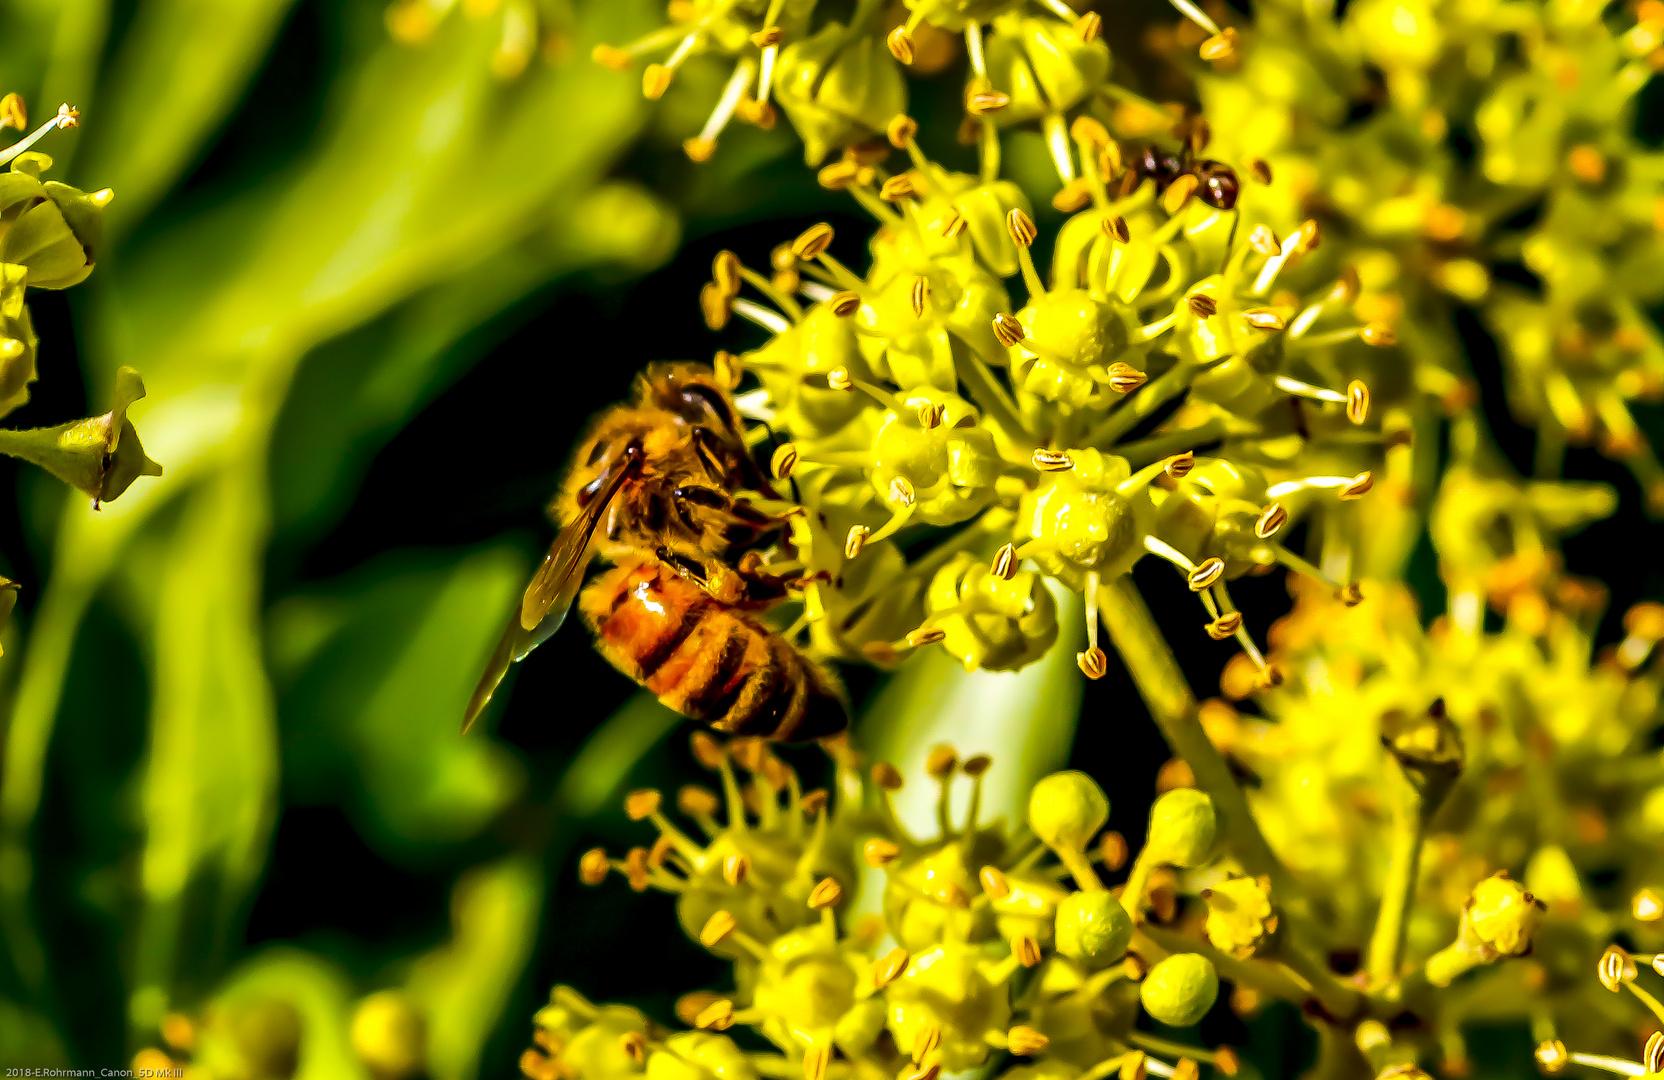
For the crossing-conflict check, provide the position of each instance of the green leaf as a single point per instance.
(465, 984)
(179, 68)
(394, 655)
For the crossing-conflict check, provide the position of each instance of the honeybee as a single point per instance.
(651, 489)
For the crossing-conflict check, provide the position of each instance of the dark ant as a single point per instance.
(1216, 182)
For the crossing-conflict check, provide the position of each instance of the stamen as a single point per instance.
(1093, 663)
(768, 319)
(703, 146)
(717, 1016)
(1271, 519)
(879, 852)
(1008, 330)
(889, 967)
(1052, 460)
(1005, 562)
(901, 46)
(1024, 1041)
(66, 118)
(1124, 378)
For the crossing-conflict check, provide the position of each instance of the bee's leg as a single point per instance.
(719, 581)
(761, 582)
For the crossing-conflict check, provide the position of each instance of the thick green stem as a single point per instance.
(1386, 945)
(1174, 709)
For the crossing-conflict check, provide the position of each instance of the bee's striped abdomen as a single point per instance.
(706, 660)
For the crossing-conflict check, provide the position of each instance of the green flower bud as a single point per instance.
(1240, 917)
(944, 988)
(1066, 810)
(17, 339)
(1499, 920)
(1071, 339)
(1093, 927)
(838, 87)
(1077, 521)
(100, 456)
(990, 622)
(1182, 828)
(949, 467)
(52, 229)
(1180, 989)
(1044, 67)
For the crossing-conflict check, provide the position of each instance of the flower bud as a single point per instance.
(1066, 810)
(58, 235)
(101, 456)
(1093, 927)
(838, 89)
(1182, 828)
(1180, 990)
(995, 623)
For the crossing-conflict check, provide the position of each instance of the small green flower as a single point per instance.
(1180, 990)
(991, 622)
(1067, 809)
(1093, 928)
(1182, 829)
(838, 87)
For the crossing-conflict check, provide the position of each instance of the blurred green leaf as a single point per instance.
(319, 993)
(605, 760)
(179, 68)
(1024, 719)
(465, 984)
(394, 654)
(211, 779)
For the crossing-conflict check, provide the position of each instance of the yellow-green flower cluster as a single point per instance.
(1446, 795)
(860, 950)
(1156, 393)
(1482, 155)
(839, 80)
(50, 234)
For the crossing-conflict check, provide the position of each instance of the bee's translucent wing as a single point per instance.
(556, 580)
(549, 596)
